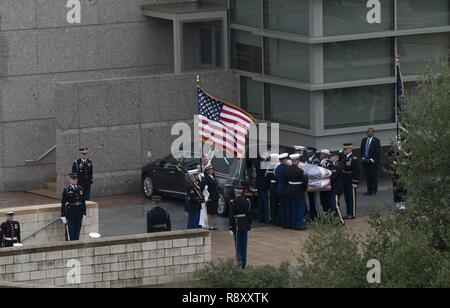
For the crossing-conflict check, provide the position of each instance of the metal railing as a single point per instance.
(35, 232)
(42, 156)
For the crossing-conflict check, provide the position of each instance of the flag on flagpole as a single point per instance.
(223, 124)
(400, 89)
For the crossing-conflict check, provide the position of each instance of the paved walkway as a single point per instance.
(124, 215)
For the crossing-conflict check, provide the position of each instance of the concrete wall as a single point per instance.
(132, 261)
(123, 120)
(36, 217)
(38, 48)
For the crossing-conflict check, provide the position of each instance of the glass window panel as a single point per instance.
(252, 99)
(417, 51)
(223, 3)
(246, 52)
(202, 45)
(359, 106)
(353, 60)
(350, 16)
(287, 59)
(421, 13)
(287, 15)
(247, 12)
(288, 106)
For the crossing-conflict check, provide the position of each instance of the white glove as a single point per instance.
(373, 162)
(355, 186)
(84, 217)
(64, 220)
(231, 232)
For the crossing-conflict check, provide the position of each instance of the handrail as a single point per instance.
(42, 156)
(33, 234)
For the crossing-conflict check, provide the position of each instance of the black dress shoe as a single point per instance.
(367, 194)
(373, 194)
(348, 217)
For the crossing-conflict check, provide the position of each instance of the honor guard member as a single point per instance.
(240, 223)
(262, 186)
(299, 149)
(314, 160)
(325, 196)
(84, 169)
(273, 198)
(297, 186)
(280, 174)
(337, 188)
(350, 178)
(194, 199)
(158, 219)
(10, 230)
(73, 208)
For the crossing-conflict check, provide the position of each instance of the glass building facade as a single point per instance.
(326, 67)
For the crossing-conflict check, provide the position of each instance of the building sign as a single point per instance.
(374, 15)
(74, 12)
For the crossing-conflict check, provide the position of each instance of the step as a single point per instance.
(49, 193)
(51, 186)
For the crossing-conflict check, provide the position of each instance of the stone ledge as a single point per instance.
(36, 209)
(111, 241)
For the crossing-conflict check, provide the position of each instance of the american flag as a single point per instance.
(222, 124)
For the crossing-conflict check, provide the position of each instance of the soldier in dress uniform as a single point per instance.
(262, 186)
(350, 174)
(158, 219)
(10, 231)
(273, 198)
(240, 223)
(337, 188)
(313, 159)
(73, 208)
(194, 199)
(297, 186)
(325, 196)
(84, 169)
(284, 213)
(301, 150)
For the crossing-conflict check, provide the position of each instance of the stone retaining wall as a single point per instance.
(117, 262)
(32, 218)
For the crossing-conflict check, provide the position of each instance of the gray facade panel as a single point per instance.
(114, 149)
(18, 52)
(26, 178)
(67, 115)
(17, 14)
(19, 98)
(112, 11)
(27, 140)
(102, 47)
(103, 105)
(52, 13)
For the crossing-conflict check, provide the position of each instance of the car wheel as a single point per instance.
(222, 209)
(147, 187)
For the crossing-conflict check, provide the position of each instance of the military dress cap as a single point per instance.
(156, 198)
(283, 156)
(299, 148)
(238, 186)
(9, 213)
(311, 149)
(294, 156)
(336, 153)
(348, 145)
(325, 151)
(193, 172)
(83, 150)
(72, 175)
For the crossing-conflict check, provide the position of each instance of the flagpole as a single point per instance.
(397, 111)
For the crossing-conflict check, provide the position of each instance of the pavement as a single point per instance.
(126, 215)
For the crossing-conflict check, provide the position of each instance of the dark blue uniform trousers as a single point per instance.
(87, 193)
(284, 214)
(312, 205)
(298, 210)
(74, 228)
(193, 220)
(263, 205)
(240, 241)
(348, 195)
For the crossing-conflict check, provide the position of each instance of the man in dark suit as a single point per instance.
(371, 156)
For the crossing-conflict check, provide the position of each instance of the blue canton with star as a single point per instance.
(209, 107)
